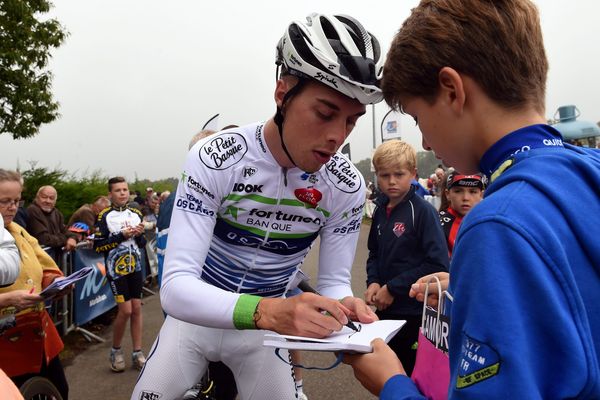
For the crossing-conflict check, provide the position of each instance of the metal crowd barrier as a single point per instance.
(92, 296)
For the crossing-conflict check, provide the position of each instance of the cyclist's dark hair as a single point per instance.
(115, 180)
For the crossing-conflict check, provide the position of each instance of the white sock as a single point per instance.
(299, 386)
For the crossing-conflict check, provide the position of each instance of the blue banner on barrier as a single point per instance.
(93, 296)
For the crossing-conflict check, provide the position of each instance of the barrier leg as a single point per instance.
(89, 335)
(144, 288)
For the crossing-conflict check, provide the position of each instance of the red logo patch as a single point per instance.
(310, 196)
(398, 228)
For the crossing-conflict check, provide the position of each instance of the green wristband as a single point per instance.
(243, 313)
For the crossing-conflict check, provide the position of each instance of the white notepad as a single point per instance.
(344, 340)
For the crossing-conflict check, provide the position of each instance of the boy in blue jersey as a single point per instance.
(525, 320)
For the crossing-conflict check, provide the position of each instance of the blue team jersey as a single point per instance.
(525, 277)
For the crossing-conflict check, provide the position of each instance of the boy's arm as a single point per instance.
(382, 373)
(104, 240)
(433, 244)
(514, 318)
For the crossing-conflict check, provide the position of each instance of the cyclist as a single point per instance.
(264, 192)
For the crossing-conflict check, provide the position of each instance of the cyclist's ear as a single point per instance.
(284, 84)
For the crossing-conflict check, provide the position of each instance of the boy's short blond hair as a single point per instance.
(497, 43)
(395, 154)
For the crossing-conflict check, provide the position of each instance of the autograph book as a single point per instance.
(344, 340)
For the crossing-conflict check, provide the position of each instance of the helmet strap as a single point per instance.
(279, 117)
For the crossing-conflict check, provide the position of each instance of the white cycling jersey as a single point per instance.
(242, 224)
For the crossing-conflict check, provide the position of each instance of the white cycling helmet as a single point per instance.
(337, 51)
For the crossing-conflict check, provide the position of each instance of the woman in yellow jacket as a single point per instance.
(29, 341)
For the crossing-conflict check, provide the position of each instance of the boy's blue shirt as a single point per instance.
(525, 278)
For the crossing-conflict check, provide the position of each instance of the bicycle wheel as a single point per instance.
(38, 388)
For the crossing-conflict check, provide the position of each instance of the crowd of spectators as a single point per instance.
(32, 241)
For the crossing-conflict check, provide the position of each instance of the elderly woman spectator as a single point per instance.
(29, 341)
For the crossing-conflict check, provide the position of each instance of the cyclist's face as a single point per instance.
(317, 121)
(119, 194)
(10, 194)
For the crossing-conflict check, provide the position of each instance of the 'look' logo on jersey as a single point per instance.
(247, 188)
(399, 229)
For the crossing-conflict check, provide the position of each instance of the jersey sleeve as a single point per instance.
(512, 315)
(9, 257)
(400, 387)
(339, 238)
(183, 294)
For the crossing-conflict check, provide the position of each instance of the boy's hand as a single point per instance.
(371, 292)
(383, 298)
(128, 232)
(417, 289)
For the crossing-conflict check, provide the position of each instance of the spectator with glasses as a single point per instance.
(29, 341)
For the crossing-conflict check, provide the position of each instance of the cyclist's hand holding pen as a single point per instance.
(311, 315)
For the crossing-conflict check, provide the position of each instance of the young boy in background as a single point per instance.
(405, 242)
(463, 193)
(119, 235)
(526, 267)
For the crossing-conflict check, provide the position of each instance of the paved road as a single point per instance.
(90, 377)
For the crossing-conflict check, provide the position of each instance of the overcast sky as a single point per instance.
(136, 79)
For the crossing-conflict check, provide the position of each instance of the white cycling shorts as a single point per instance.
(180, 355)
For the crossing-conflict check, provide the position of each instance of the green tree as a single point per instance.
(73, 192)
(25, 84)
(426, 163)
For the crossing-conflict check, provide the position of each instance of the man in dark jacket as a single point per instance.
(46, 223)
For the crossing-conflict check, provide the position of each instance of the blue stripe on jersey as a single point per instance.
(229, 271)
(239, 237)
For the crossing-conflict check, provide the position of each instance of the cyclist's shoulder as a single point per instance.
(102, 215)
(227, 149)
